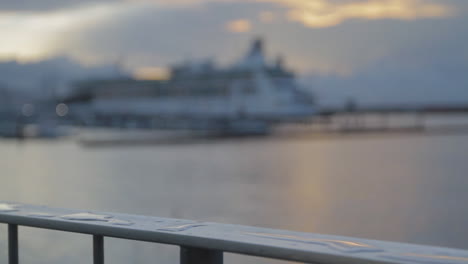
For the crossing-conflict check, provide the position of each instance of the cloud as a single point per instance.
(327, 13)
(239, 26)
(429, 67)
(323, 13)
(33, 35)
(383, 60)
(159, 33)
(48, 5)
(152, 36)
(266, 17)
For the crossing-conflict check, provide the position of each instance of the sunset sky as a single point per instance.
(321, 37)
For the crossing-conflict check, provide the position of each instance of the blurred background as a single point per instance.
(343, 117)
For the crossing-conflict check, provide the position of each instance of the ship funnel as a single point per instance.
(257, 48)
(255, 57)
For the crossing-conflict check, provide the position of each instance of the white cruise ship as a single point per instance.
(248, 97)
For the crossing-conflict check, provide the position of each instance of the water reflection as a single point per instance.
(87, 217)
(7, 207)
(38, 214)
(180, 228)
(120, 222)
(340, 245)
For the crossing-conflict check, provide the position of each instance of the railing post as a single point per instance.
(98, 249)
(189, 255)
(13, 257)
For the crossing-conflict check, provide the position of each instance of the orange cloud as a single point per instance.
(152, 73)
(327, 13)
(324, 13)
(239, 26)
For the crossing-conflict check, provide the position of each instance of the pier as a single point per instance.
(385, 119)
(205, 243)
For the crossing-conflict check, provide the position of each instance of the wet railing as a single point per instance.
(203, 242)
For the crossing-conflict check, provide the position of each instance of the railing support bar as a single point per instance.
(189, 255)
(13, 257)
(98, 249)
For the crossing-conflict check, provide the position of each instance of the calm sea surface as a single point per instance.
(408, 188)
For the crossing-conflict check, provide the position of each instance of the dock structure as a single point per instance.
(395, 109)
(204, 242)
(354, 119)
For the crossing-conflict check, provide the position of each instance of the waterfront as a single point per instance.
(406, 188)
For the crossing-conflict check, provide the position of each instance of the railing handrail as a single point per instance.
(205, 242)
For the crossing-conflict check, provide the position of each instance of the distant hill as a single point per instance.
(48, 78)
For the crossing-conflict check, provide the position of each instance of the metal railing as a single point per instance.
(202, 242)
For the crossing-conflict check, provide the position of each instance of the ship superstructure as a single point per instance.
(252, 92)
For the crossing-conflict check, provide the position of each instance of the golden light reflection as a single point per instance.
(152, 73)
(239, 26)
(323, 13)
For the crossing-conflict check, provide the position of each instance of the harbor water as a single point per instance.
(404, 187)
